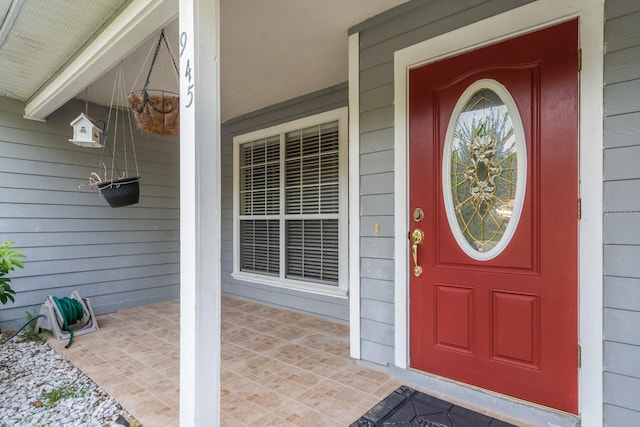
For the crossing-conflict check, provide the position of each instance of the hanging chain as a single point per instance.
(173, 60)
(155, 56)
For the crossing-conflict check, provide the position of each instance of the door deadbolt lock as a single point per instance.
(418, 214)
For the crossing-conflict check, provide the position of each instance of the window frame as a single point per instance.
(341, 290)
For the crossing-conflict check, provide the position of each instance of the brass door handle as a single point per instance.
(416, 238)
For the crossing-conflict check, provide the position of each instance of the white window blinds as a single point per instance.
(312, 170)
(292, 198)
(260, 177)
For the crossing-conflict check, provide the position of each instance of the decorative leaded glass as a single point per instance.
(483, 170)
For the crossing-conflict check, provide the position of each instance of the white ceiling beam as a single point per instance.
(133, 26)
(9, 12)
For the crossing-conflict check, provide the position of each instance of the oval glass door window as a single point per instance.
(484, 169)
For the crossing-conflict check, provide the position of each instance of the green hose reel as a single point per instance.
(66, 317)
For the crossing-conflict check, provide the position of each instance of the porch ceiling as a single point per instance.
(270, 51)
(38, 38)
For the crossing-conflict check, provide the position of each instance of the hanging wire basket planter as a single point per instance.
(157, 111)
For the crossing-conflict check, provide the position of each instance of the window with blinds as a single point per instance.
(260, 206)
(288, 204)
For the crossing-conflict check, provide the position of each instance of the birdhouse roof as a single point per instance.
(80, 119)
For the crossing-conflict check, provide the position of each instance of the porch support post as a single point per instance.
(199, 213)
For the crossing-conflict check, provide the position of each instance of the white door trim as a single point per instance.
(528, 18)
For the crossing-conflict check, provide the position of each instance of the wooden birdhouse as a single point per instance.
(85, 132)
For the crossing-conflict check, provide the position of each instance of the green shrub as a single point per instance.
(9, 260)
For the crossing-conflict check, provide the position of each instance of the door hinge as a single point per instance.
(579, 208)
(579, 59)
(579, 356)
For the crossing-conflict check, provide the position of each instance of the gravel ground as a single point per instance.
(39, 387)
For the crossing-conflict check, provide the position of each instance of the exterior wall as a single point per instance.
(380, 37)
(325, 100)
(622, 213)
(72, 239)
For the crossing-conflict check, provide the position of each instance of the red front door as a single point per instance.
(493, 196)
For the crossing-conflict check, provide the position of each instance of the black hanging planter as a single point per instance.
(121, 192)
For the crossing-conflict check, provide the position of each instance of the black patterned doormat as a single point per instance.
(408, 407)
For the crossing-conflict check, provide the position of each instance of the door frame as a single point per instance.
(525, 19)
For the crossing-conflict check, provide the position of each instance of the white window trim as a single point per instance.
(524, 19)
(354, 195)
(340, 115)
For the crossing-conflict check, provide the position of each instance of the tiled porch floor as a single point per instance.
(279, 367)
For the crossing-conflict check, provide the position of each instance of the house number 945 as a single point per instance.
(187, 71)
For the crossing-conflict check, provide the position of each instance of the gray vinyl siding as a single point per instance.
(622, 213)
(72, 239)
(380, 36)
(315, 103)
